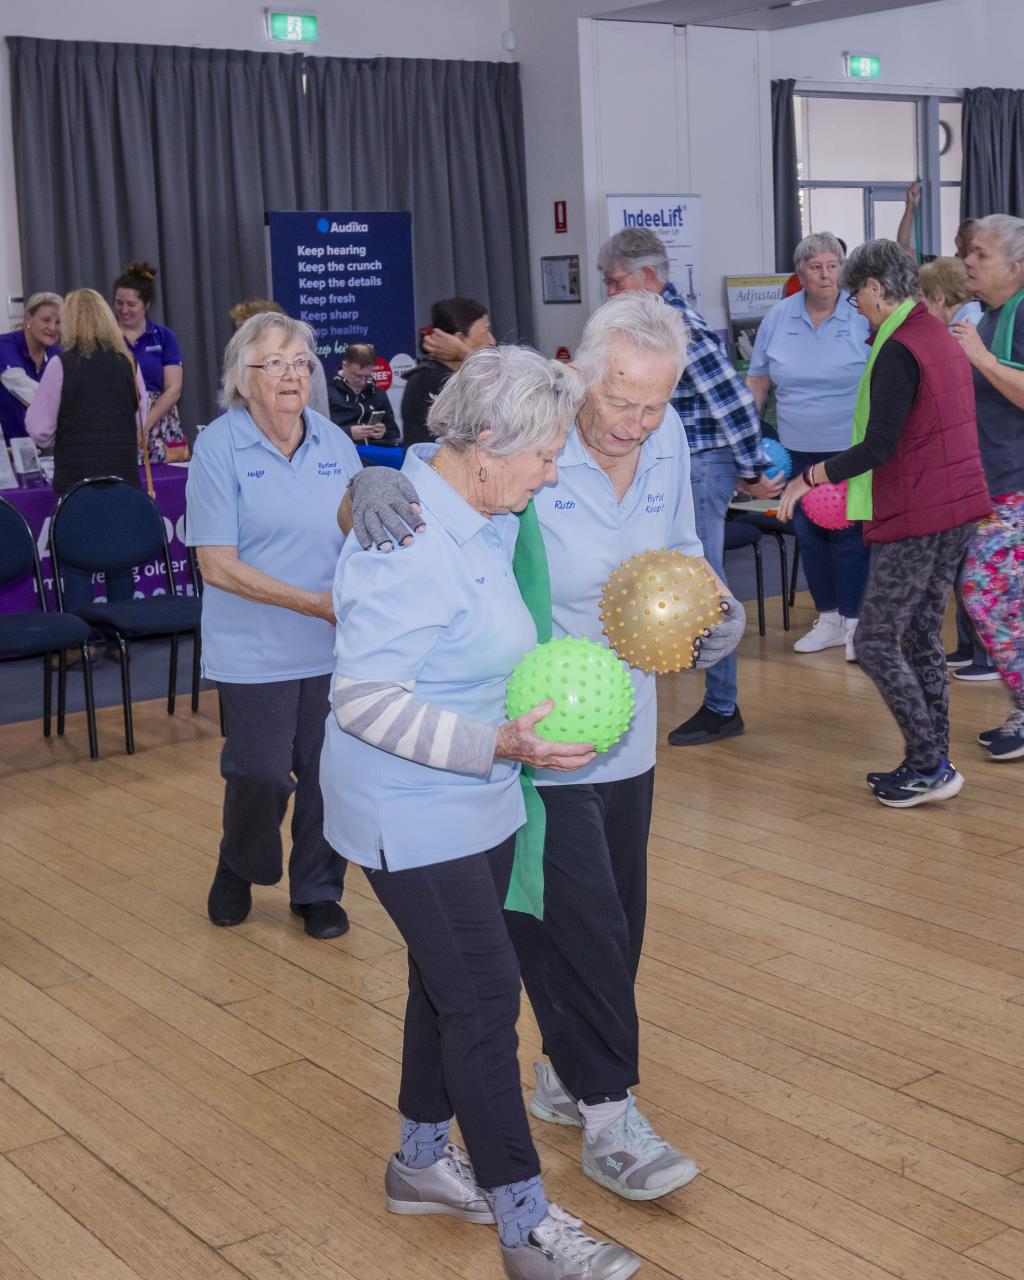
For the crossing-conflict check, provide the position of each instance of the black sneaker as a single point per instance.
(323, 919)
(960, 658)
(1007, 743)
(975, 671)
(230, 899)
(1010, 725)
(707, 726)
(907, 788)
(874, 779)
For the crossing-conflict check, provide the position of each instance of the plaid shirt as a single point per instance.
(712, 399)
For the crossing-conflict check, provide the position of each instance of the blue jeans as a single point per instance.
(713, 477)
(835, 561)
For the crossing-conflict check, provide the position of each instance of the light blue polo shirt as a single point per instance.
(281, 514)
(816, 371)
(971, 310)
(587, 534)
(444, 616)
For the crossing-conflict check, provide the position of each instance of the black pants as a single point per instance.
(579, 964)
(459, 1051)
(275, 734)
(899, 636)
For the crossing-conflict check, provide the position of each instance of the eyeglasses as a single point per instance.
(276, 367)
(615, 282)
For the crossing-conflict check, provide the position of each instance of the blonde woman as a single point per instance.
(24, 354)
(88, 408)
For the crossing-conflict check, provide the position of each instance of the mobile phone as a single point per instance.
(376, 418)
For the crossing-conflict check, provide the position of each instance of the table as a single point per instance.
(37, 505)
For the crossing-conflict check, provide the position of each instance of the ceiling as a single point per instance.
(753, 15)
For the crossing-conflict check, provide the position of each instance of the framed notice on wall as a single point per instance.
(560, 278)
(675, 220)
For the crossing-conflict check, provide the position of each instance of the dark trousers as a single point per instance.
(275, 734)
(579, 964)
(78, 586)
(835, 561)
(899, 636)
(459, 1052)
(967, 640)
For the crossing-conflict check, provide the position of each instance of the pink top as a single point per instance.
(41, 414)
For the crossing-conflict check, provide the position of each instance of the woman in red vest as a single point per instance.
(915, 477)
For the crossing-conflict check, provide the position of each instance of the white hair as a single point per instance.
(519, 396)
(818, 242)
(639, 318)
(249, 336)
(632, 249)
(1008, 231)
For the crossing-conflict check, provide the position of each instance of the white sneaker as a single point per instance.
(629, 1158)
(558, 1249)
(551, 1100)
(851, 629)
(828, 632)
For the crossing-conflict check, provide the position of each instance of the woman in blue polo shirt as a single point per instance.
(421, 785)
(813, 348)
(158, 355)
(263, 492)
(24, 354)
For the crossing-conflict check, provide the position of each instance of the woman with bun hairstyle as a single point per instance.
(158, 355)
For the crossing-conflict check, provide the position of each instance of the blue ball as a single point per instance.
(778, 458)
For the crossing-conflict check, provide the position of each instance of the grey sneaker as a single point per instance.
(629, 1158)
(449, 1186)
(559, 1250)
(551, 1100)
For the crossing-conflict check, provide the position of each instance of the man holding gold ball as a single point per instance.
(623, 489)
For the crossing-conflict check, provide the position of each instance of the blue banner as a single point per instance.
(349, 276)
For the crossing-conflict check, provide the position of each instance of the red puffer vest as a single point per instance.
(933, 481)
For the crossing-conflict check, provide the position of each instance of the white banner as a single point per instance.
(675, 220)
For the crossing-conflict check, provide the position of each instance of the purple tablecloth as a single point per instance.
(37, 506)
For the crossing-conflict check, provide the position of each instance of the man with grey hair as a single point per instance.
(724, 435)
(623, 487)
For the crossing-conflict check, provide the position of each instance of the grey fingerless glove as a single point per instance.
(722, 638)
(382, 507)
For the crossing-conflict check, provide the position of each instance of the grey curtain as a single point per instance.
(993, 142)
(129, 151)
(784, 173)
(443, 139)
(137, 151)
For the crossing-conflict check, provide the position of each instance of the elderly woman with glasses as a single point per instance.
(915, 478)
(263, 492)
(420, 775)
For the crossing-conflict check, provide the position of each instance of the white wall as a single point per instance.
(352, 28)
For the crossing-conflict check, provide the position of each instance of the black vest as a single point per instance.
(96, 428)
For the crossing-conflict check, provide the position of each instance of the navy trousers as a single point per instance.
(275, 735)
(459, 1052)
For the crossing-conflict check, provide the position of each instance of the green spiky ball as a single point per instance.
(589, 684)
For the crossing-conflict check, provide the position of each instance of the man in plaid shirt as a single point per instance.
(724, 433)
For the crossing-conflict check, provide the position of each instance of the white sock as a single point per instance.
(601, 1114)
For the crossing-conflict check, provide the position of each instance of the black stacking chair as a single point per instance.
(104, 524)
(40, 632)
(737, 536)
(778, 530)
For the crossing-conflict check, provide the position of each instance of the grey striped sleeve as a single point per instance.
(387, 715)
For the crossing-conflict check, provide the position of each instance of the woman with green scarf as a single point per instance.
(915, 477)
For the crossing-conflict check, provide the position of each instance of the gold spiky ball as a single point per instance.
(655, 605)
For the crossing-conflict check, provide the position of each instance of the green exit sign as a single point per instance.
(297, 28)
(862, 66)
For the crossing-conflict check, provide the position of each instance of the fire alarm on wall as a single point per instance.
(561, 218)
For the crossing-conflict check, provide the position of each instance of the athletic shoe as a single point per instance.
(551, 1100)
(629, 1158)
(909, 788)
(851, 628)
(1010, 725)
(230, 897)
(449, 1187)
(959, 658)
(558, 1249)
(706, 725)
(976, 672)
(874, 779)
(828, 632)
(1008, 742)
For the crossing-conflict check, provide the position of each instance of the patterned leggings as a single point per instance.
(993, 589)
(899, 636)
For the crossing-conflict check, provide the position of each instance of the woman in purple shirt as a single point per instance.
(157, 355)
(23, 357)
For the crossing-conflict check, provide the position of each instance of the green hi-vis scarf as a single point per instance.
(530, 566)
(1002, 340)
(858, 490)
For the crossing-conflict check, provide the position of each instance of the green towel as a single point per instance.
(1002, 340)
(858, 489)
(530, 566)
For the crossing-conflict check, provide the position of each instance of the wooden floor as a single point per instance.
(832, 1000)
